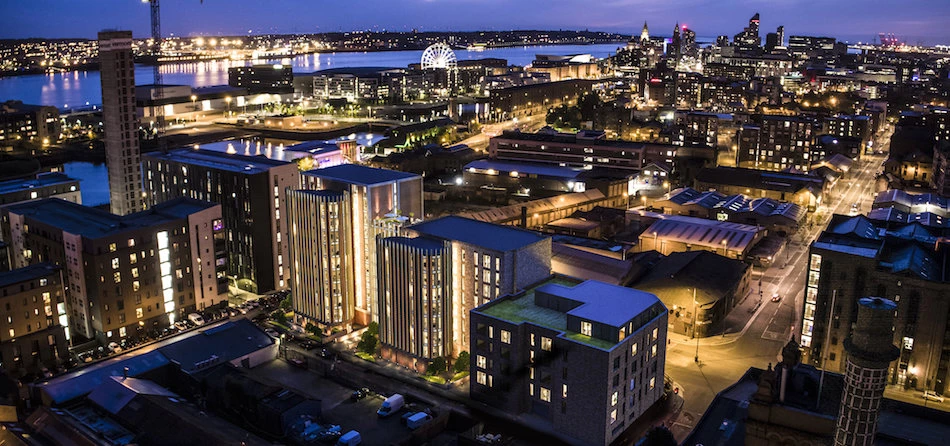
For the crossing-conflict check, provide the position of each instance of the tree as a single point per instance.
(286, 304)
(461, 363)
(367, 343)
(437, 366)
(280, 317)
(659, 436)
(373, 328)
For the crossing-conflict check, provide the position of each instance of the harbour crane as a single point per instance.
(159, 87)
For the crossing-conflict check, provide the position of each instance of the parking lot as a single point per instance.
(337, 406)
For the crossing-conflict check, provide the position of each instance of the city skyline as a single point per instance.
(916, 22)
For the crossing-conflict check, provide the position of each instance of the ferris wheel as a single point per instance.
(439, 55)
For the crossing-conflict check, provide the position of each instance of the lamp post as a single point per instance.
(695, 320)
(194, 105)
(227, 100)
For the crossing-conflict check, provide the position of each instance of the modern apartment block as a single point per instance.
(698, 128)
(250, 190)
(141, 271)
(322, 263)
(415, 286)
(586, 357)
(851, 126)
(45, 185)
(907, 263)
(381, 201)
(37, 123)
(778, 142)
(123, 156)
(447, 267)
(34, 315)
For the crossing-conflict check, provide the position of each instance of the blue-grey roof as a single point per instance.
(41, 180)
(213, 159)
(608, 304)
(73, 385)
(362, 175)
(314, 147)
(117, 391)
(505, 167)
(27, 273)
(478, 233)
(95, 223)
(217, 345)
(711, 233)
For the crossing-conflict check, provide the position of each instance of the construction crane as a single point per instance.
(159, 86)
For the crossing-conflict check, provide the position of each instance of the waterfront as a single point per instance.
(81, 88)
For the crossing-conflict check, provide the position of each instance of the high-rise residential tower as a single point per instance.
(117, 74)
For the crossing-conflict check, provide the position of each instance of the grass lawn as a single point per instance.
(436, 379)
(365, 356)
(459, 375)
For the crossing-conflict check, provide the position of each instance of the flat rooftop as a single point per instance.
(478, 233)
(506, 167)
(95, 223)
(362, 175)
(600, 302)
(27, 273)
(213, 159)
(41, 180)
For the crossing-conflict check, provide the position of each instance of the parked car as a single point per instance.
(181, 325)
(359, 394)
(196, 319)
(391, 405)
(297, 362)
(930, 395)
(776, 297)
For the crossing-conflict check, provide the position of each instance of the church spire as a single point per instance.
(645, 34)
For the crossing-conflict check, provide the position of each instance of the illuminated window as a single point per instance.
(117, 277)
(545, 394)
(563, 390)
(138, 313)
(12, 334)
(586, 328)
(133, 258)
(653, 351)
(614, 398)
(112, 247)
(481, 362)
(656, 332)
(530, 387)
(115, 263)
(506, 336)
(652, 382)
(545, 344)
(481, 378)
(131, 242)
(633, 349)
(613, 415)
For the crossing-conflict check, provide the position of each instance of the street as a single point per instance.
(724, 359)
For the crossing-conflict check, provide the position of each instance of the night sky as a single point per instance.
(913, 20)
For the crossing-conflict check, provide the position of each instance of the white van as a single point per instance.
(351, 438)
(196, 318)
(391, 405)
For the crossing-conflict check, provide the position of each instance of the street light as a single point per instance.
(228, 101)
(194, 104)
(695, 320)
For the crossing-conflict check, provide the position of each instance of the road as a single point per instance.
(723, 360)
(479, 142)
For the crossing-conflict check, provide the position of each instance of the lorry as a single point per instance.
(351, 438)
(391, 405)
(418, 419)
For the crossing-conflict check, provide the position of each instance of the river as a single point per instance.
(80, 88)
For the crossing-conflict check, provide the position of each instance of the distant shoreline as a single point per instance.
(145, 60)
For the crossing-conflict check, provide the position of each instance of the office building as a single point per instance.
(44, 185)
(778, 143)
(870, 350)
(322, 263)
(813, 47)
(38, 124)
(906, 263)
(588, 357)
(124, 274)
(583, 150)
(748, 40)
(448, 267)
(526, 100)
(250, 192)
(32, 336)
(258, 79)
(123, 156)
(381, 201)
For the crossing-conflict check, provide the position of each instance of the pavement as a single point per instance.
(754, 333)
